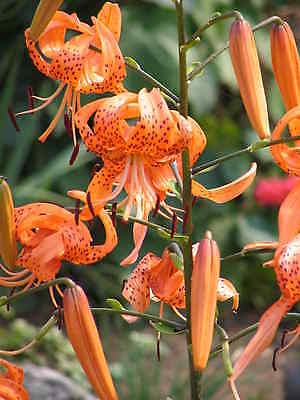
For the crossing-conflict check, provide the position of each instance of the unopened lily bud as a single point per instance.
(205, 277)
(8, 245)
(84, 337)
(42, 16)
(286, 64)
(248, 74)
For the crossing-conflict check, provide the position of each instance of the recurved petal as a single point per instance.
(137, 288)
(227, 192)
(289, 216)
(287, 157)
(84, 337)
(247, 71)
(267, 328)
(227, 291)
(110, 16)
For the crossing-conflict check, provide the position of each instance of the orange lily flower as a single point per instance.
(49, 234)
(11, 382)
(286, 267)
(137, 156)
(247, 71)
(75, 63)
(84, 337)
(166, 282)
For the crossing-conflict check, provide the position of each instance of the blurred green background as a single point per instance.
(41, 172)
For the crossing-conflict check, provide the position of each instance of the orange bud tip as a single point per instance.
(13, 119)
(8, 244)
(208, 235)
(247, 71)
(44, 13)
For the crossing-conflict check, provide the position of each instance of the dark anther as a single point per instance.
(282, 343)
(174, 224)
(74, 154)
(114, 214)
(30, 97)
(13, 119)
(275, 354)
(195, 199)
(77, 206)
(68, 124)
(157, 204)
(124, 283)
(96, 168)
(185, 217)
(10, 294)
(90, 205)
(158, 348)
(59, 317)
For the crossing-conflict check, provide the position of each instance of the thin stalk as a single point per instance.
(148, 317)
(17, 296)
(244, 253)
(197, 70)
(195, 376)
(133, 65)
(261, 144)
(250, 329)
(212, 20)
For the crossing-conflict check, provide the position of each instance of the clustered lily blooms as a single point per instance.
(140, 141)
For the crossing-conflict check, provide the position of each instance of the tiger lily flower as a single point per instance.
(75, 63)
(11, 382)
(161, 276)
(49, 234)
(137, 157)
(84, 337)
(287, 269)
(247, 71)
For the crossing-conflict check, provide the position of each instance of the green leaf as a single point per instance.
(177, 261)
(114, 304)
(163, 328)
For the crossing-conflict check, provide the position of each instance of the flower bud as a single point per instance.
(286, 64)
(247, 71)
(8, 245)
(84, 337)
(42, 16)
(205, 277)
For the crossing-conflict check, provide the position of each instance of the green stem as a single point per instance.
(59, 281)
(148, 317)
(261, 144)
(170, 96)
(133, 65)
(197, 70)
(195, 376)
(244, 253)
(250, 329)
(212, 20)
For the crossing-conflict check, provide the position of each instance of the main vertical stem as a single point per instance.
(195, 376)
